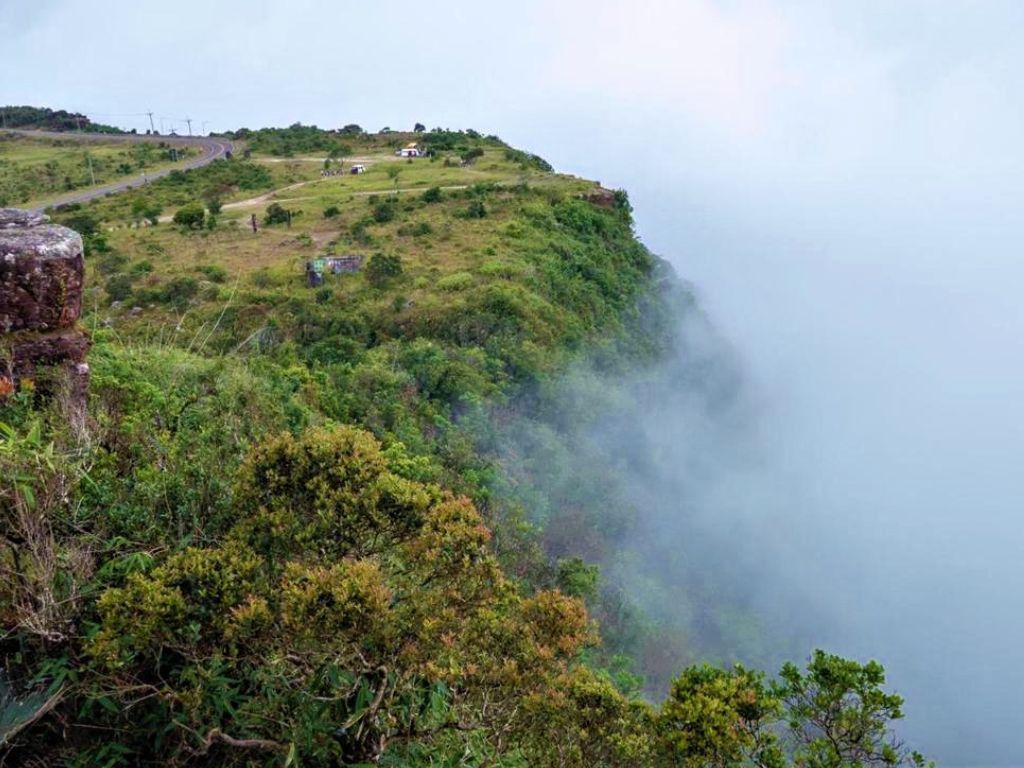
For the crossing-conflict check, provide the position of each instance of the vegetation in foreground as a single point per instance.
(289, 531)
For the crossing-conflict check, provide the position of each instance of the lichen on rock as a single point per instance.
(41, 274)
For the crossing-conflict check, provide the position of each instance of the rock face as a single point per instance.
(41, 273)
(601, 197)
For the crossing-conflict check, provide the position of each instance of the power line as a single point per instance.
(114, 114)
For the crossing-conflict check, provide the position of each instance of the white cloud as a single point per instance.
(723, 67)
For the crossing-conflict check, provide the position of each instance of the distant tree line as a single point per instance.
(47, 119)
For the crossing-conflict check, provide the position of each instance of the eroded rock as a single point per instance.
(601, 197)
(41, 274)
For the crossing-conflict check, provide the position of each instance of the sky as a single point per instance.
(842, 182)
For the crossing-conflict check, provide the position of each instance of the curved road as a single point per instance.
(210, 149)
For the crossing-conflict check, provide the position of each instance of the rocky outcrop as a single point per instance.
(41, 274)
(601, 197)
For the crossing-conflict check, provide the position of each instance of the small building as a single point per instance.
(410, 150)
(334, 265)
(357, 169)
(343, 264)
(315, 273)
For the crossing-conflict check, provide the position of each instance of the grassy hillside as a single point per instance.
(33, 170)
(291, 530)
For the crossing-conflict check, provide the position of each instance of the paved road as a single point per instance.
(210, 149)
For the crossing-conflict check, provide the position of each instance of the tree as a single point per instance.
(191, 215)
(352, 129)
(840, 717)
(577, 578)
(382, 268)
(584, 721)
(834, 715)
(419, 128)
(716, 718)
(393, 172)
(433, 195)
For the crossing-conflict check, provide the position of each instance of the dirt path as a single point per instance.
(271, 196)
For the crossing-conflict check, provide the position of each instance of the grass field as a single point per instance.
(478, 229)
(33, 170)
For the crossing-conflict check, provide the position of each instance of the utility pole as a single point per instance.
(189, 121)
(92, 175)
(204, 126)
(152, 129)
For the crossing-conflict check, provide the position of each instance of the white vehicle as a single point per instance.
(355, 169)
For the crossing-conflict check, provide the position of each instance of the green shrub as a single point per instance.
(331, 211)
(581, 217)
(475, 210)
(419, 229)
(214, 272)
(144, 208)
(190, 216)
(526, 160)
(179, 290)
(119, 287)
(382, 268)
(111, 262)
(383, 212)
(83, 223)
(262, 278)
(503, 269)
(577, 578)
(433, 195)
(276, 214)
(359, 231)
(459, 281)
(143, 267)
(176, 292)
